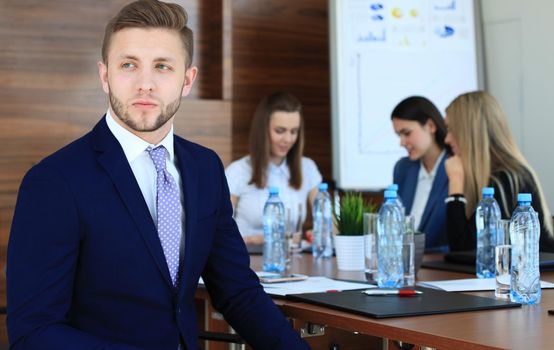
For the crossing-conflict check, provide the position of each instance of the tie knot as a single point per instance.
(158, 155)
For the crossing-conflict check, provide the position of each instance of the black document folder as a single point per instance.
(464, 261)
(431, 302)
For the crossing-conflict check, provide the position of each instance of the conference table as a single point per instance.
(527, 327)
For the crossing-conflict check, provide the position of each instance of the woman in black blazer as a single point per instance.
(485, 155)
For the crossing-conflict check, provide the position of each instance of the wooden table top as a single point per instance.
(528, 327)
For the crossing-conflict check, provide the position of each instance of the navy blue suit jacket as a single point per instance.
(86, 269)
(433, 220)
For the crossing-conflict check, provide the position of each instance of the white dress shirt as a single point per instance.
(144, 170)
(423, 189)
(142, 165)
(249, 211)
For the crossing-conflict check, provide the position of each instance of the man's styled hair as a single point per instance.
(150, 14)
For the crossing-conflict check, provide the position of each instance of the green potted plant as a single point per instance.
(349, 241)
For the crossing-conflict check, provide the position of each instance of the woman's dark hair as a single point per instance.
(260, 148)
(420, 109)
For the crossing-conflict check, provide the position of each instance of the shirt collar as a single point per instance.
(424, 174)
(132, 145)
(283, 167)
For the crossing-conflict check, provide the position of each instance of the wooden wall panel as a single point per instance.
(209, 48)
(207, 122)
(282, 45)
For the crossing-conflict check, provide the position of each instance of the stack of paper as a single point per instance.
(316, 284)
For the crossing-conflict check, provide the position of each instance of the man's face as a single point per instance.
(145, 78)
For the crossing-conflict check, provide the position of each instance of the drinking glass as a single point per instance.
(502, 259)
(408, 251)
(370, 246)
(293, 232)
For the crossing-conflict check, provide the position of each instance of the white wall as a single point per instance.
(519, 66)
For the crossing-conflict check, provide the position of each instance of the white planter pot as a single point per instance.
(350, 252)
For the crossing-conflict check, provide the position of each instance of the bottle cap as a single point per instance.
(393, 187)
(274, 190)
(488, 191)
(524, 197)
(390, 194)
(323, 186)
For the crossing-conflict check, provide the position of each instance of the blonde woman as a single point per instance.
(485, 154)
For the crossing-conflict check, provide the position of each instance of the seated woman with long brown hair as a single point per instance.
(275, 159)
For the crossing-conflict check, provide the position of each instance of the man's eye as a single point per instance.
(127, 65)
(163, 66)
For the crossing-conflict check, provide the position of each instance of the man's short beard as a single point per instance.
(121, 112)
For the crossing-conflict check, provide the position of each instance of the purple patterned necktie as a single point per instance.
(168, 206)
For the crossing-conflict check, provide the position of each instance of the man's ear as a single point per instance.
(190, 76)
(103, 73)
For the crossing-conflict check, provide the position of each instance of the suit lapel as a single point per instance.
(189, 177)
(412, 174)
(112, 159)
(439, 183)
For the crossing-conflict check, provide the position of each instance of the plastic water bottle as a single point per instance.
(322, 245)
(394, 187)
(525, 231)
(487, 216)
(274, 233)
(390, 228)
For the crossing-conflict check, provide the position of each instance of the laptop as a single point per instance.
(255, 249)
(546, 260)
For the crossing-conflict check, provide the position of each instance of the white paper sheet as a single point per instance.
(259, 273)
(470, 284)
(316, 284)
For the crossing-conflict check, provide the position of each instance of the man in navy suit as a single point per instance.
(89, 263)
